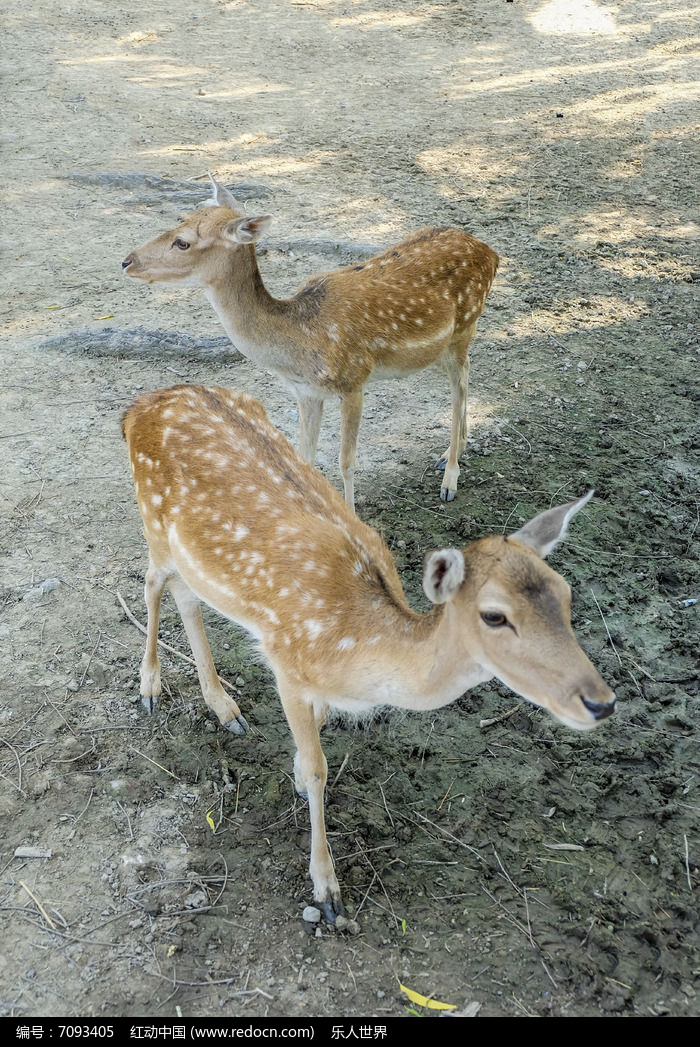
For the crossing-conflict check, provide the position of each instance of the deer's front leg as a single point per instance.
(222, 705)
(310, 773)
(156, 578)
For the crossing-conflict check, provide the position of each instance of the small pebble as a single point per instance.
(37, 591)
(32, 852)
(196, 900)
(311, 914)
(342, 923)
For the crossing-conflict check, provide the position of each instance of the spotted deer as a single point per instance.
(234, 517)
(414, 305)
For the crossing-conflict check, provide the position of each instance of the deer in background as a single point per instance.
(414, 305)
(234, 517)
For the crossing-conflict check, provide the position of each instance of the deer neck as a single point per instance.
(454, 665)
(256, 323)
(429, 662)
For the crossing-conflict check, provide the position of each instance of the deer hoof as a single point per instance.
(441, 464)
(331, 909)
(238, 725)
(446, 494)
(150, 703)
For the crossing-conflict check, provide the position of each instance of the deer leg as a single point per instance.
(310, 412)
(350, 415)
(310, 773)
(320, 717)
(156, 577)
(459, 381)
(224, 707)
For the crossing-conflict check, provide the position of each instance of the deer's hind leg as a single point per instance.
(350, 416)
(310, 414)
(457, 367)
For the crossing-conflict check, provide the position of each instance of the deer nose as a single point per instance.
(599, 710)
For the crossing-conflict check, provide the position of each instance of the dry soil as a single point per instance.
(517, 866)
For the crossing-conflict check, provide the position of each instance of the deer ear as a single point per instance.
(221, 196)
(544, 532)
(248, 230)
(443, 574)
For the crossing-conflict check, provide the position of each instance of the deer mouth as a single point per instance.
(599, 710)
(595, 713)
(129, 267)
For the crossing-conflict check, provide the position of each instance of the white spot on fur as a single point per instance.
(313, 628)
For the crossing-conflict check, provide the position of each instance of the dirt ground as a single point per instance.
(520, 867)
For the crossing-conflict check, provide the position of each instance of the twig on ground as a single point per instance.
(365, 896)
(38, 904)
(606, 627)
(378, 878)
(499, 719)
(155, 763)
(449, 835)
(449, 790)
(208, 984)
(76, 820)
(341, 769)
(126, 815)
(393, 826)
(522, 893)
(18, 783)
(90, 657)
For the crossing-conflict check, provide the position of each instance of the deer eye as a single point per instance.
(181, 245)
(493, 619)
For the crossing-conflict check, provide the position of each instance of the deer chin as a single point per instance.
(562, 714)
(558, 707)
(573, 724)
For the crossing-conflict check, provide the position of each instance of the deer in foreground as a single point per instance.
(414, 305)
(234, 517)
